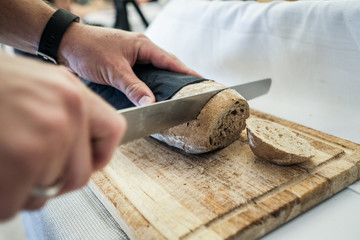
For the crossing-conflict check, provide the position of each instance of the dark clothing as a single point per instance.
(164, 85)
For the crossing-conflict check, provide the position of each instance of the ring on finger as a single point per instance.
(48, 192)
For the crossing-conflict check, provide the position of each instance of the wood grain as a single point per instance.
(163, 193)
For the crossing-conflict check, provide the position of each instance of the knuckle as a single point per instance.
(55, 124)
(72, 97)
(132, 90)
(141, 40)
(141, 36)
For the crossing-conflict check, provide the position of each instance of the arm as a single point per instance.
(22, 22)
(101, 55)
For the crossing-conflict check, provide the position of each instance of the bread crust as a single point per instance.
(269, 151)
(218, 124)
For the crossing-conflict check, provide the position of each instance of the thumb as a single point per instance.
(136, 90)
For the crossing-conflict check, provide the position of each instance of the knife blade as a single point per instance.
(146, 120)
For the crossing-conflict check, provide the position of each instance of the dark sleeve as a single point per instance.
(164, 85)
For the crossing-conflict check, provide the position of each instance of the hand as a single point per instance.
(51, 127)
(106, 56)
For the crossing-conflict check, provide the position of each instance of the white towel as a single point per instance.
(309, 48)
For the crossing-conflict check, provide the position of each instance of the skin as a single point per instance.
(110, 63)
(65, 4)
(21, 25)
(52, 127)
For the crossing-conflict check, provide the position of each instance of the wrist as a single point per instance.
(53, 34)
(70, 43)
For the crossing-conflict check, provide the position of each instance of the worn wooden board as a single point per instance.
(159, 192)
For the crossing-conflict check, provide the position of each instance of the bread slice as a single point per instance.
(276, 143)
(218, 124)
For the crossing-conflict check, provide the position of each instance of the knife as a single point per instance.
(146, 120)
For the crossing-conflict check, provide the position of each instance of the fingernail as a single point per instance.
(145, 100)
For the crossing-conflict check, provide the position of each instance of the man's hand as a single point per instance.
(106, 56)
(52, 127)
(101, 55)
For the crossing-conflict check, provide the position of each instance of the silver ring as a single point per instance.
(48, 192)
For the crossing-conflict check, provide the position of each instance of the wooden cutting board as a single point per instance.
(158, 192)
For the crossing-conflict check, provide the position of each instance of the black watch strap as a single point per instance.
(53, 33)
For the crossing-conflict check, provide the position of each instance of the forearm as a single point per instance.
(22, 22)
(101, 55)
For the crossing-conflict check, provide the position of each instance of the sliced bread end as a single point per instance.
(276, 143)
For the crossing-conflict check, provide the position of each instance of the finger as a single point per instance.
(136, 90)
(17, 191)
(34, 203)
(39, 195)
(79, 164)
(79, 167)
(100, 134)
(60, 138)
(107, 128)
(59, 130)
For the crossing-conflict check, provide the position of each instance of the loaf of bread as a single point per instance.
(218, 124)
(276, 143)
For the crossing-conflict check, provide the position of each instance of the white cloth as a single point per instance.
(310, 50)
(73, 216)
